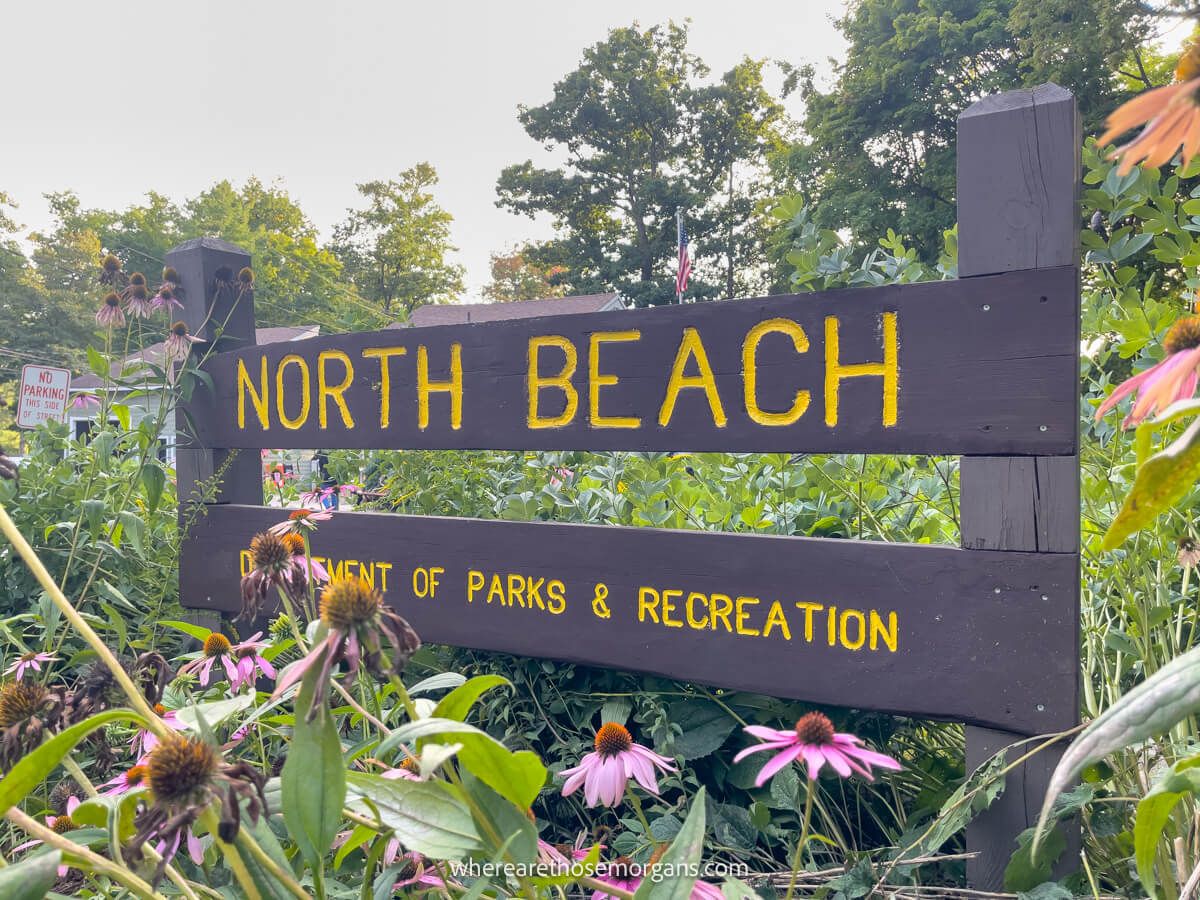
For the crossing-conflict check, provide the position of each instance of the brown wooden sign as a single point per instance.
(985, 366)
(927, 631)
(980, 366)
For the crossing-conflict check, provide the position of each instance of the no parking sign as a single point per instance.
(43, 395)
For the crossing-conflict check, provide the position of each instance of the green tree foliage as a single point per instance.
(394, 250)
(516, 277)
(643, 137)
(879, 147)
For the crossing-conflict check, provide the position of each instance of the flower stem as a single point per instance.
(808, 804)
(27, 553)
(605, 888)
(402, 692)
(641, 814)
(232, 858)
(267, 862)
(98, 864)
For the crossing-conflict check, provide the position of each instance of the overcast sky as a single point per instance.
(321, 95)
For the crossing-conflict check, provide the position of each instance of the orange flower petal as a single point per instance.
(1141, 108)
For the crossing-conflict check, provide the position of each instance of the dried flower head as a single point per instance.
(246, 276)
(8, 468)
(185, 776)
(110, 314)
(1189, 553)
(137, 279)
(275, 567)
(170, 276)
(110, 271)
(27, 712)
(361, 631)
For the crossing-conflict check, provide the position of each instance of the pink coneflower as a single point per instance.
(390, 853)
(59, 825)
(133, 777)
(311, 567)
(408, 770)
(110, 314)
(216, 649)
(138, 302)
(604, 772)
(419, 874)
(1166, 382)
(145, 740)
(275, 565)
(165, 299)
(29, 662)
(814, 740)
(179, 343)
(85, 401)
(300, 520)
(361, 632)
(1171, 115)
(562, 856)
(249, 660)
(560, 476)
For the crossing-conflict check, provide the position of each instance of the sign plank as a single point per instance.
(985, 366)
(979, 636)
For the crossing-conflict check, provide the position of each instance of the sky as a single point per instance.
(323, 95)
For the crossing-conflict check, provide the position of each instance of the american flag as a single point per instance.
(685, 263)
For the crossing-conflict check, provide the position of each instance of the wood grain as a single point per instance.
(981, 636)
(986, 366)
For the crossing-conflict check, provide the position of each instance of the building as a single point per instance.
(465, 313)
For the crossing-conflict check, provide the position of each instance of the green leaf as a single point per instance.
(154, 479)
(438, 682)
(427, 816)
(501, 823)
(1026, 871)
(135, 529)
(97, 363)
(31, 878)
(199, 632)
(518, 776)
(1150, 708)
(268, 885)
(706, 726)
(31, 770)
(682, 859)
(1162, 480)
(313, 778)
(214, 712)
(457, 704)
(1153, 812)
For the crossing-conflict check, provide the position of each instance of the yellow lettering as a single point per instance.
(384, 568)
(809, 609)
(257, 397)
(326, 391)
(384, 355)
(668, 608)
(743, 615)
(831, 625)
(596, 380)
(720, 607)
(691, 346)
(881, 632)
(889, 370)
(496, 591)
(852, 615)
(776, 618)
(535, 381)
(306, 384)
(516, 590)
(750, 371)
(693, 622)
(556, 591)
(247, 561)
(646, 605)
(535, 592)
(453, 387)
(367, 574)
(475, 582)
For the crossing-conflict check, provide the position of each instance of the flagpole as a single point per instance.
(678, 244)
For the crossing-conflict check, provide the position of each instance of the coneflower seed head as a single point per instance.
(814, 728)
(269, 552)
(216, 644)
(19, 701)
(179, 768)
(613, 739)
(349, 602)
(1183, 335)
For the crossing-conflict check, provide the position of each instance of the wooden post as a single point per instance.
(215, 310)
(1018, 208)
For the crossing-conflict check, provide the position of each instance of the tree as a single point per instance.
(394, 251)
(879, 148)
(642, 138)
(515, 277)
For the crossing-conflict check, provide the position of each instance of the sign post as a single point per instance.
(42, 395)
(984, 366)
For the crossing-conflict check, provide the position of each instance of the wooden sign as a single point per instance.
(972, 635)
(981, 366)
(984, 366)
